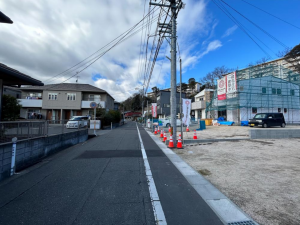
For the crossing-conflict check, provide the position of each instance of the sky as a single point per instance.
(49, 37)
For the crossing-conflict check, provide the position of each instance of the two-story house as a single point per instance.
(62, 101)
(163, 102)
(199, 106)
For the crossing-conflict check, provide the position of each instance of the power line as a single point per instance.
(98, 57)
(263, 30)
(271, 14)
(225, 11)
(114, 40)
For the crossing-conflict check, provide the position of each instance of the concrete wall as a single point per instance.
(271, 133)
(32, 151)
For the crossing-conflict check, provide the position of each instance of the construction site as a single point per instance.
(268, 87)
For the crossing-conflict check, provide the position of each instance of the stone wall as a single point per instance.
(32, 151)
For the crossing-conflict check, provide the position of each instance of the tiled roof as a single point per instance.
(15, 73)
(67, 87)
(4, 18)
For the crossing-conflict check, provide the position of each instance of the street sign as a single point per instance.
(93, 105)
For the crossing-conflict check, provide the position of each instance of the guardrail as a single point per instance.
(23, 130)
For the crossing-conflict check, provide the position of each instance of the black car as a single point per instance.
(267, 120)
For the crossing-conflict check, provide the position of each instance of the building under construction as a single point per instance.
(268, 87)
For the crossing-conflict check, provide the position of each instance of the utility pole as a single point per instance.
(166, 28)
(181, 103)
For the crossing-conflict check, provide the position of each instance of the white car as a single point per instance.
(77, 122)
(167, 122)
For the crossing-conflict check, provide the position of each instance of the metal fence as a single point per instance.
(32, 129)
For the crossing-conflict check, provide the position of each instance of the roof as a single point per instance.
(11, 76)
(4, 18)
(202, 92)
(67, 87)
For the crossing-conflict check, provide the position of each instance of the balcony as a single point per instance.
(86, 104)
(198, 105)
(31, 102)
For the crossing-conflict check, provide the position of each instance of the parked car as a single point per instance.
(77, 122)
(167, 122)
(267, 120)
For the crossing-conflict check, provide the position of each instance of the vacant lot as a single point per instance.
(261, 176)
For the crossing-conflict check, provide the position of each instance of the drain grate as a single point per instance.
(249, 222)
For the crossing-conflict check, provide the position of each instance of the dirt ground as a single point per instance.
(261, 176)
(216, 132)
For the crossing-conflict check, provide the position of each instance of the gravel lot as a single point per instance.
(261, 176)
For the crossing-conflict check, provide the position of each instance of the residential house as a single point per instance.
(12, 91)
(12, 77)
(62, 101)
(163, 102)
(199, 106)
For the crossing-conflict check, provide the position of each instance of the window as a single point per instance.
(279, 110)
(274, 91)
(71, 96)
(285, 110)
(264, 90)
(278, 91)
(94, 98)
(158, 98)
(166, 105)
(52, 96)
(201, 99)
(254, 110)
(292, 92)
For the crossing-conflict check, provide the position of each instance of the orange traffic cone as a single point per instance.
(187, 129)
(179, 143)
(162, 133)
(169, 129)
(158, 129)
(165, 137)
(155, 132)
(195, 135)
(171, 144)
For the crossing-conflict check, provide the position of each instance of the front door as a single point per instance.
(67, 114)
(49, 115)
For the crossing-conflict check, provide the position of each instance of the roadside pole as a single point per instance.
(95, 122)
(181, 103)
(13, 156)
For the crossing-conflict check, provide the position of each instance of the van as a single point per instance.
(267, 120)
(77, 122)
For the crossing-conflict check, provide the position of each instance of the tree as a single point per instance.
(10, 108)
(283, 52)
(293, 57)
(209, 79)
(192, 85)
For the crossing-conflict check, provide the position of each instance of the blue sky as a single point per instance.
(237, 49)
(45, 39)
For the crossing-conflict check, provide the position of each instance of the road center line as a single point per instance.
(156, 205)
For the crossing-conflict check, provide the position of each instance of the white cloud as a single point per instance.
(230, 31)
(48, 37)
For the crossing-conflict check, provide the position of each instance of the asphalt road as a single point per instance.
(102, 181)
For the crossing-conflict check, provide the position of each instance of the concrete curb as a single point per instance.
(225, 209)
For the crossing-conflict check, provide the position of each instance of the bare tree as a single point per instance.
(209, 79)
(282, 53)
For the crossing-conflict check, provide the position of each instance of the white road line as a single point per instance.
(157, 208)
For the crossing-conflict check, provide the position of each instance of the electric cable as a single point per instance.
(126, 32)
(271, 14)
(263, 30)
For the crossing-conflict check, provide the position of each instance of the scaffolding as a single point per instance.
(270, 87)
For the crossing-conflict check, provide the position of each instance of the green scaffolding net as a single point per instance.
(271, 87)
